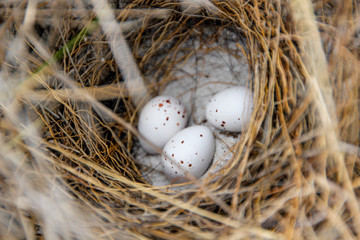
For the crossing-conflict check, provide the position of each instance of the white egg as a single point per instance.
(190, 150)
(230, 109)
(159, 120)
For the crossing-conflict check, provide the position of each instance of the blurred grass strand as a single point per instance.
(319, 85)
(122, 54)
(100, 93)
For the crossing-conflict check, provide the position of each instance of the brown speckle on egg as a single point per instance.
(178, 112)
(177, 124)
(216, 110)
(172, 155)
(167, 119)
(183, 116)
(190, 165)
(163, 124)
(168, 101)
(182, 142)
(201, 135)
(160, 104)
(182, 162)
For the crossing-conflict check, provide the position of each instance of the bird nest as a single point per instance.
(74, 76)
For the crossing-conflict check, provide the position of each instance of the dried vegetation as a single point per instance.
(72, 81)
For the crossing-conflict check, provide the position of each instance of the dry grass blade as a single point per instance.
(123, 57)
(101, 93)
(318, 83)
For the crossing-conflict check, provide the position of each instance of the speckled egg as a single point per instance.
(160, 119)
(230, 109)
(190, 150)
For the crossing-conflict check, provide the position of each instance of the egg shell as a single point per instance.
(190, 150)
(230, 109)
(161, 118)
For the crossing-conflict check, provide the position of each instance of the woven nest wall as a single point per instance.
(74, 75)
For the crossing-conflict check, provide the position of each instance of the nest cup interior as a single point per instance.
(289, 170)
